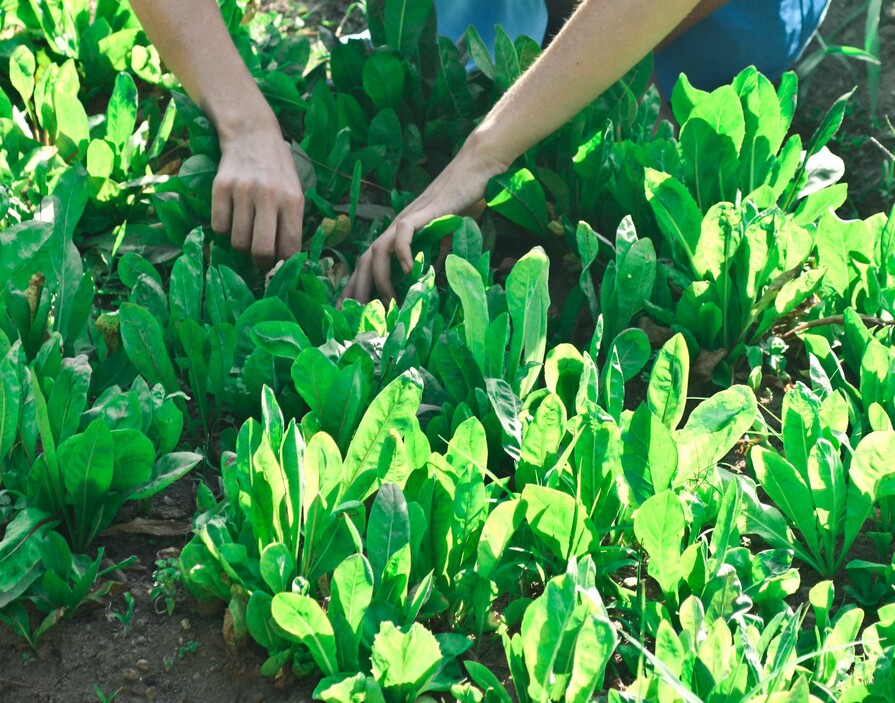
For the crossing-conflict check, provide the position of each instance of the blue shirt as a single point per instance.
(769, 34)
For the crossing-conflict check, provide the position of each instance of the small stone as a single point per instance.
(168, 500)
(140, 624)
(150, 693)
(196, 676)
(185, 625)
(140, 640)
(630, 582)
(257, 698)
(142, 665)
(131, 674)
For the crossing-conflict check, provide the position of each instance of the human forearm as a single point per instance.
(602, 40)
(193, 41)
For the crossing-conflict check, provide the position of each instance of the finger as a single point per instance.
(363, 279)
(264, 236)
(289, 229)
(243, 217)
(348, 291)
(403, 237)
(221, 205)
(382, 270)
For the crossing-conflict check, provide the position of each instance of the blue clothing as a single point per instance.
(769, 34)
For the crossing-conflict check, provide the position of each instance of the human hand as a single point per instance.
(455, 191)
(257, 196)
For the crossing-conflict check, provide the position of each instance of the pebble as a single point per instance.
(185, 625)
(143, 665)
(141, 640)
(150, 693)
(140, 624)
(131, 674)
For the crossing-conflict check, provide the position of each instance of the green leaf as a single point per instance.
(659, 525)
(466, 282)
(649, 458)
(388, 529)
(305, 620)
(558, 520)
(351, 593)
(677, 214)
(383, 79)
(405, 23)
(166, 471)
(122, 114)
(10, 404)
(87, 464)
(507, 408)
(21, 72)
(393, 410)
(520, 199)
(499, 528)
(593, 649)
(666, 394)
(404, 664)
(528, 300)
(544, 627)
(713, 428)
(134, 458)
(144, 344)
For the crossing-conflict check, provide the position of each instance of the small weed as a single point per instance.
(125, 617)
(102, 696)
(167, 587)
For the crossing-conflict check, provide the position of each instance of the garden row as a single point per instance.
(401, 487)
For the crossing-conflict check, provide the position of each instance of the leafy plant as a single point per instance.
(823, 487)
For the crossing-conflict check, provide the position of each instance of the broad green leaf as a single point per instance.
(10, 404)
(21, 72)
(558, 520)
(520, 199)
(405, 23)
(666, 394)
(87, 466)
(528, 300)
(144, 344)
(649, 457)
(388, 529)
(351, 594)
(404, 663)
(166, 471)
(134, 459)
(544, 627)
(594, 646)
(787, 488)
(305, 620)
(713, 429)
(122, 114)
(659, 525)
(499, 528)
(466, 282)
(507, 408)
(677, 214)
(393, 410)
(383, 78)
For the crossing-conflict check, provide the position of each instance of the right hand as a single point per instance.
(257, 196)
(456, 190)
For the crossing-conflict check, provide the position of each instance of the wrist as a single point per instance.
(240, 119)
(485, 152)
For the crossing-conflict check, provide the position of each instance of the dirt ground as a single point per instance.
(183, 658)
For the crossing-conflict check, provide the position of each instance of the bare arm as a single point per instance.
(602, 40)
(257, 196)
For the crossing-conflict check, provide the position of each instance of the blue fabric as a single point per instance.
(769, 34)
(517, 17)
